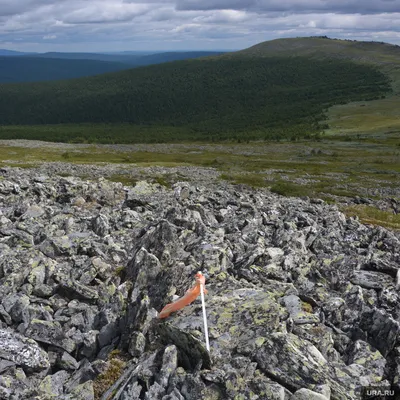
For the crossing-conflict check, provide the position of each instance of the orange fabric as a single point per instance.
(189, 297)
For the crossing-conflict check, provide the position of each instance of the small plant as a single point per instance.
(251, 179)
(290, 189)
(306, 307)
(114, 354)
(119, 270)
(106, 379)
(124, 179)
(127, 159)
(162, 181)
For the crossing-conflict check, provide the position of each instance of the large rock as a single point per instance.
(53, 385)
(51, 333)
(22, 351)
(298, 364)
(382, 329)
(371, 279)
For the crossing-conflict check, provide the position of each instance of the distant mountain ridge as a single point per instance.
(132, 59)
(33, 69)
(12, 53)
(19, 67)
(127, 59)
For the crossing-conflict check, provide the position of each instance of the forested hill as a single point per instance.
(324, 47)
(159, 58)
(220, 96)
(384, 56)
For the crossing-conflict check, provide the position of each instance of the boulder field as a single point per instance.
(302, 302)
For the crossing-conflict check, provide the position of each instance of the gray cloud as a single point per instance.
(9, 7)
(338, 6)
(96, 25)
(215, 4)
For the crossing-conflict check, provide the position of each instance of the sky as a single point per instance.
(162, 25)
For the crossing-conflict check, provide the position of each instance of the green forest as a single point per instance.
(219, 98)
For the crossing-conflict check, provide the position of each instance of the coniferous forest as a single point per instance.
(218, 98)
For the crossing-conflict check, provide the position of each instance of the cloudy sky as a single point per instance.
(117, 25)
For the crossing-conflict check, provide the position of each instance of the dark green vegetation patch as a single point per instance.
(211, 99)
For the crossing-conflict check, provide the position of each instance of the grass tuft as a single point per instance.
(290, 189)
(251, 179)
(373, 216)
(119, 270)
(126, 180)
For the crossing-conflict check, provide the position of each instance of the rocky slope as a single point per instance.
(302, 302)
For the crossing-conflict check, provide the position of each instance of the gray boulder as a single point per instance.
(22, 351)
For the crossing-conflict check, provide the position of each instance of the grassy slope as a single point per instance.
(373, 118)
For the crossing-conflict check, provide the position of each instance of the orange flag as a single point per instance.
(189, 297)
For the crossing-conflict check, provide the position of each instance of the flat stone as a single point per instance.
(371, 279)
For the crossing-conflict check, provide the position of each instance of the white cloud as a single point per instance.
(225, 16)
(96, 25)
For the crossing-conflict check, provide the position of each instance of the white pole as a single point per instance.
(204, 317)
